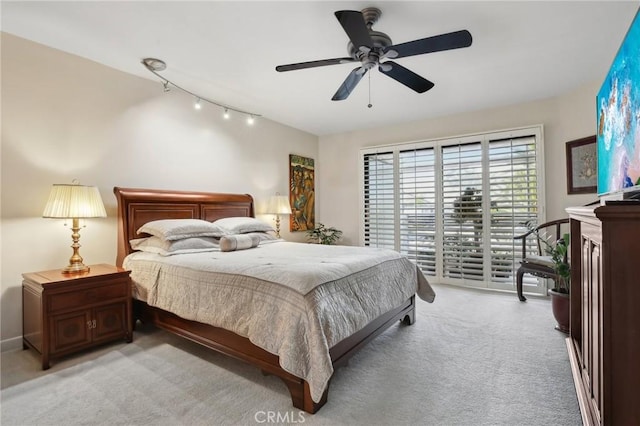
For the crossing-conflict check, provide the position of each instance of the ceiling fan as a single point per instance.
(369, 47)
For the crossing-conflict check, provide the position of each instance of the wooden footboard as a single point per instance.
(241, 348)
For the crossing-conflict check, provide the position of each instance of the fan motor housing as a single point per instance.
(370, 58)
(380, 42)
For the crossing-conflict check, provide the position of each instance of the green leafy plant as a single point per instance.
(558, 254)
(323, 235)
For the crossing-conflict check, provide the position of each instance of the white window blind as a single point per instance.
(454, 205)
(417, 190)
(513, 190)
(379, 194)
(462, 211)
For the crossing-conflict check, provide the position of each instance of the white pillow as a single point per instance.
(175, 229)
(239, 242)
(163, 247)
(242, 225)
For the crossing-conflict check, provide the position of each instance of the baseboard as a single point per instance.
(11, 344)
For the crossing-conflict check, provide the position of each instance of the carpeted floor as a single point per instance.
(471, 358)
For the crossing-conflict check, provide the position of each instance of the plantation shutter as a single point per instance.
(462, 211)
(417, 187)
(514, 200)
(379, 204)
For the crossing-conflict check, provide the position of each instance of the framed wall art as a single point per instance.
(582, 176)
(301, 193)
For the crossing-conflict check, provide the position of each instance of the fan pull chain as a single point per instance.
(370, 104)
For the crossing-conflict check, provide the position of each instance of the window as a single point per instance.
(454, 205)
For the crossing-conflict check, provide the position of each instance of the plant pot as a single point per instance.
(560, 308)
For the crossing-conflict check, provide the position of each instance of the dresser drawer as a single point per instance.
(88, 296)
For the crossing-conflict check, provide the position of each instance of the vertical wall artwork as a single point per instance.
(581, 166)
(301, 193)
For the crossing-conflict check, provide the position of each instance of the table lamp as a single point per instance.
(75, 202)
(278, 204)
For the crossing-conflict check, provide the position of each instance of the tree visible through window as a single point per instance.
(453, 206)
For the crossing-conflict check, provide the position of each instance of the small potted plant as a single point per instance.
(559, 254)
(323, 235)
(558, 251)
(560, 292)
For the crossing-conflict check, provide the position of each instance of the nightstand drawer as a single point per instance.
(73, 299)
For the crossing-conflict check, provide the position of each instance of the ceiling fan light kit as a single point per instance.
(369, 47)
(156, 65)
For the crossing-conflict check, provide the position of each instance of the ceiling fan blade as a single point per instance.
(353, 24)
(405, 76)
(312, 64)
(454, 40)
(349, 84)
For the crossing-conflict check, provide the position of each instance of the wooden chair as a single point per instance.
(541, 264)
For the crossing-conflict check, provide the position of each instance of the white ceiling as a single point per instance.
(227, 51)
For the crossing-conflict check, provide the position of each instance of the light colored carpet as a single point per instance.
(471, 358)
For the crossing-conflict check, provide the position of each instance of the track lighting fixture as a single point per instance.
(155, 65)
(226, 114)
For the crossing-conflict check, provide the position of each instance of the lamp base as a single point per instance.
(75, 262)
(77, 268)
(277, 226)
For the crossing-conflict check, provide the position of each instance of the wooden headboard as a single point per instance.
(139, 206)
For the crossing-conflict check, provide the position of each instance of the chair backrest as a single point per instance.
(551, 231)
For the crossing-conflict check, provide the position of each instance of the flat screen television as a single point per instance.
(618, 121)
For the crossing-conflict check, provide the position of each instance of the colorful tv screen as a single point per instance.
(618, 119)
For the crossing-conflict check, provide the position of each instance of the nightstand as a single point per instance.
(65, 313)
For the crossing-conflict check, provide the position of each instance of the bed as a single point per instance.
(308, 384)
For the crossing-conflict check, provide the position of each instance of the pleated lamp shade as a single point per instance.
(68, 201)
(279, 204)
(75, 202)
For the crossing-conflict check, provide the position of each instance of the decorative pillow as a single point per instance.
(163, 247)
(238, 242)
(242, 225)
(175, 229)
(263, 236)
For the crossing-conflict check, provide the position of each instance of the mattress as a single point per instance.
(293, 300)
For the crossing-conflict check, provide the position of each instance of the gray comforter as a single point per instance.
(293, 300)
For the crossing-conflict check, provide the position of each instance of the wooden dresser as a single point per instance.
(604, 338)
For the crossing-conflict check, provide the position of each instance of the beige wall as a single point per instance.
(64, 117)
(567, 117)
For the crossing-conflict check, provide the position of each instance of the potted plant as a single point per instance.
(558, 251)
(323, 235)
(559, 256)
(560, 292)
